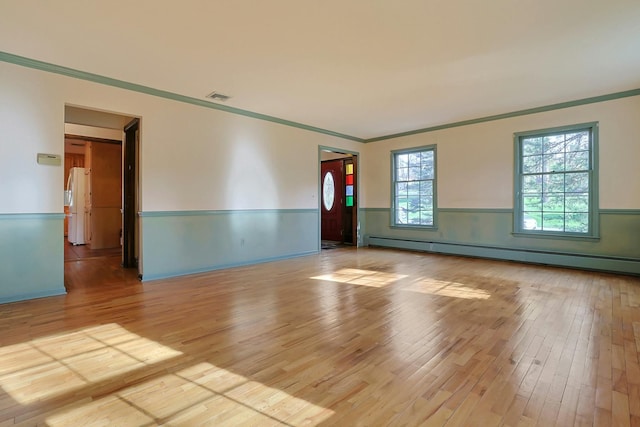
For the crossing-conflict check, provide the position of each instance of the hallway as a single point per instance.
(88, 269)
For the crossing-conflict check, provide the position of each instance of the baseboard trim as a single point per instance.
(581, 261)
(34, 295)
(147, 278)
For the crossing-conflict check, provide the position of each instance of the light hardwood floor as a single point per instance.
(344, 338)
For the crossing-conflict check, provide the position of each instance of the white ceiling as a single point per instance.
(364, 68)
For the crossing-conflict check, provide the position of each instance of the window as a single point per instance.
(328, 191)
(414, 187)
(556, 181)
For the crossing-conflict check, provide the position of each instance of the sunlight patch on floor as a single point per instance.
(447, 289)
(202, 394)
(354, 276)
(73, 367)
(55, 365)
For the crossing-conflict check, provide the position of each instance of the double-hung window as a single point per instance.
(556, 181)
(414, 187)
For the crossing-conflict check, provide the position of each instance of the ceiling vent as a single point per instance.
(217, 96)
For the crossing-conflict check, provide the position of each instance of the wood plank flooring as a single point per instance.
(348, 337)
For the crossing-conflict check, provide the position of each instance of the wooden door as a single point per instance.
(332, 200)
(106, 195)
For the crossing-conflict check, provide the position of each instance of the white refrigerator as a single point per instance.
(75, 199)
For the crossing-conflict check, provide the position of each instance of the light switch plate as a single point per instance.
(49, 159)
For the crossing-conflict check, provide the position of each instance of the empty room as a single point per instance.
(327, 213)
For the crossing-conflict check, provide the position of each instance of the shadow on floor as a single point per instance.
(330, 244)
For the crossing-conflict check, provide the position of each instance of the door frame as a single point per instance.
(131, 195)
(356, 160)
(90, 116)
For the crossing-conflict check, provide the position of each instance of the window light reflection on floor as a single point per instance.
(380, 279)
(447, 289)
(202, 394)
(354, 276)
(62, 363)
(70, 366)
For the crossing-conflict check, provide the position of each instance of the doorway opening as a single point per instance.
(101, 198)
(338, 181)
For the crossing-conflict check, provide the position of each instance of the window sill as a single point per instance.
(556, 236)
(414, 227)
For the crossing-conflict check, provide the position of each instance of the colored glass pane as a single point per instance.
(349, 179)
(349, 190)
(350, 169)
(349, 200)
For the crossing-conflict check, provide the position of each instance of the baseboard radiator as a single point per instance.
(581, 261)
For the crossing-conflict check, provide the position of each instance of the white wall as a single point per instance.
(94, 132)
(30, 124)
(476, 162)
(100, 119)
(192, 158)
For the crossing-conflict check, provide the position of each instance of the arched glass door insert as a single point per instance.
(328, 191)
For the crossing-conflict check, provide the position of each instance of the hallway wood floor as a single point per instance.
(344, 338)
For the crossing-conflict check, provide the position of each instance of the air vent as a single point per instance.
(217, 96)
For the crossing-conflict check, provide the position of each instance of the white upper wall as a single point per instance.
(94, 132)
(361, 67)
(30, 124)
(192, 158)
(101, 119)
(475, 163)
